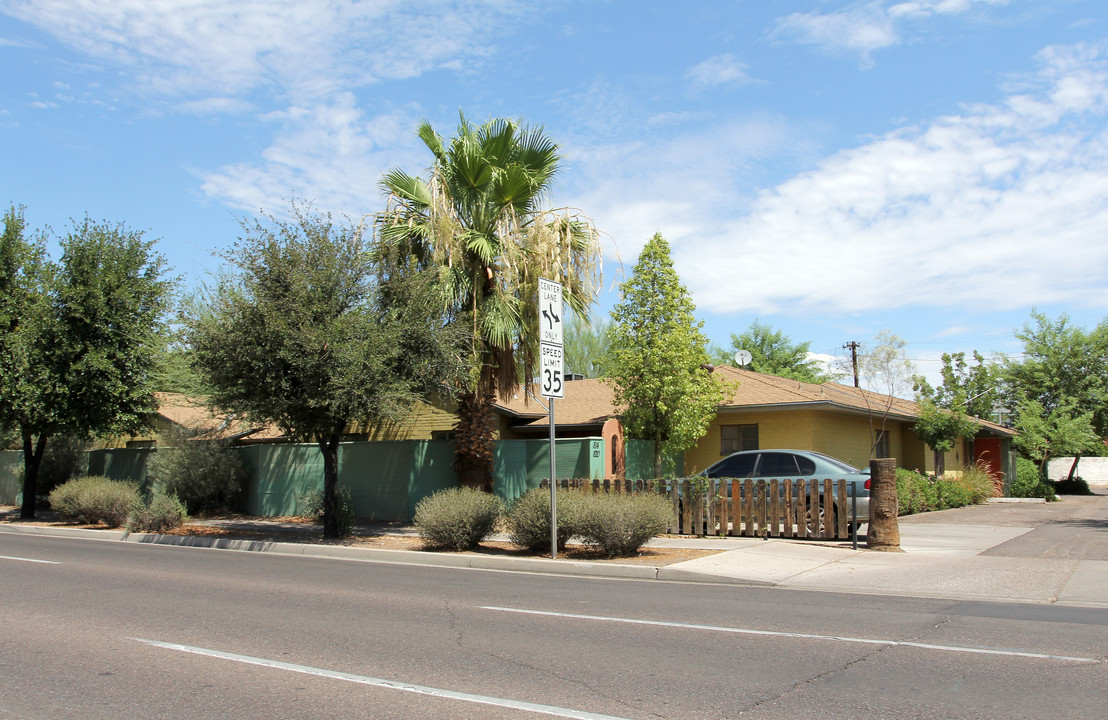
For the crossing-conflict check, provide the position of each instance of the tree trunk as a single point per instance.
(940, 463)
(657, 455)
(1073, 468)
(32, 461)
(474, 441)
(884, 530)
(329, 446)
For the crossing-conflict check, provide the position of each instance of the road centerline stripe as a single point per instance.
(381, 683)
(30, 560)
(804, 636)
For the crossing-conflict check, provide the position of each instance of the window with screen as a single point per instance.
(881, 447)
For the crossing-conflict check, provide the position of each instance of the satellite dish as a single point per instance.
(742, 358)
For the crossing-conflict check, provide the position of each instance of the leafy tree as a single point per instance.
(478, 221)
(656, 352)
(974, 390)
(304, 334)
(586, 348)
(1064, 372)
(1059, 432)
(773, 353)
(86, 355)
(941, 428)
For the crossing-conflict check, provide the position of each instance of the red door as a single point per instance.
(986, 451)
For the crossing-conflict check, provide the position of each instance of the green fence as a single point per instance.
(639, 459)
(11, 477)
(385, 479)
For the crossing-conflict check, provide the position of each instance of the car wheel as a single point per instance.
(815, 525)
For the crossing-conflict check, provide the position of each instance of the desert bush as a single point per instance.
(457, 519)
(528, 518)
(164, 512)
(96, 499)
(1027, 483)
(310, 505)
(620, 524)
(207, 475)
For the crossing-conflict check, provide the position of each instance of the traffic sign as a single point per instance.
(550, 312)
(551, 371)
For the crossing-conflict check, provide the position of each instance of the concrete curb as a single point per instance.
(397, 557)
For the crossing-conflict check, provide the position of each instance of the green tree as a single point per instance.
(1059, 432)
(586, 348)
(479, 222)
(305, 334)
(656, 358)
(88, 351)
(974, 390)
(1063, 371)
(773, 353)
(941, 428)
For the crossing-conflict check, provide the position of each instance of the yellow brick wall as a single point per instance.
(775, 430)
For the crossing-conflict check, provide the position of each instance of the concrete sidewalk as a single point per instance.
(1009, 552)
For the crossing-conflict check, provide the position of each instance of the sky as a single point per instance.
(935, 168)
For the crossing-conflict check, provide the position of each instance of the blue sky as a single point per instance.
(932, 167)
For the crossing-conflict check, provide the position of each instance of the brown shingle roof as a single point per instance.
(591, 401)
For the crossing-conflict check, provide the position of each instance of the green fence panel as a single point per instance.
(278, 474)
(432, 470)
(378, 477)
(121, 464)
(640, 461)
(522, 465)
(11, 477)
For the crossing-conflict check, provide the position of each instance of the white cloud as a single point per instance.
(964, 211)
(862, 28)
(302, 49)
(718, 70)
(331, 154)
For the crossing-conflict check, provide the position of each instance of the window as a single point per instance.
(881, 447)
(442, 434)
(738, 466)
(777, 465)
(734, 438)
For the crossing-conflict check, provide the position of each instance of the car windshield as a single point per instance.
(837, 463)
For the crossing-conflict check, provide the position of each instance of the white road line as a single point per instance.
(806, 636)
(387, 684)
(44, 562)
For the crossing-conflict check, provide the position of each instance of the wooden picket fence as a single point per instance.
(752, 508)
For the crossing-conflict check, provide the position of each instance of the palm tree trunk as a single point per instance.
(474, 441)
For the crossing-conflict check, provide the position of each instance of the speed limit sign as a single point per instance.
(551, 368)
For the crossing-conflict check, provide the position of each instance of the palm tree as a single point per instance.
(479, 221)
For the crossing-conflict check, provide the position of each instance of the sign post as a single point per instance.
(551, 381)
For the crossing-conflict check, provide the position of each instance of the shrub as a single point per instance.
(1027, 483)
(528, 518)
(913, 492)
(1077, 486)
(207, 475)
(96, 499)
(457, 519)
(164, 512)
(619, 524)
(64, 459)
(310, 505)
(978, 483)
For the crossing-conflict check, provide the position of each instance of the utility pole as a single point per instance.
(853, 347)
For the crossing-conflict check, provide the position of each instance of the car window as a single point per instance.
(734, 466)
(837, 463)
(807, 465)
(775, 464)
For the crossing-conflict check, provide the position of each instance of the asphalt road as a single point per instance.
(95, 629)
